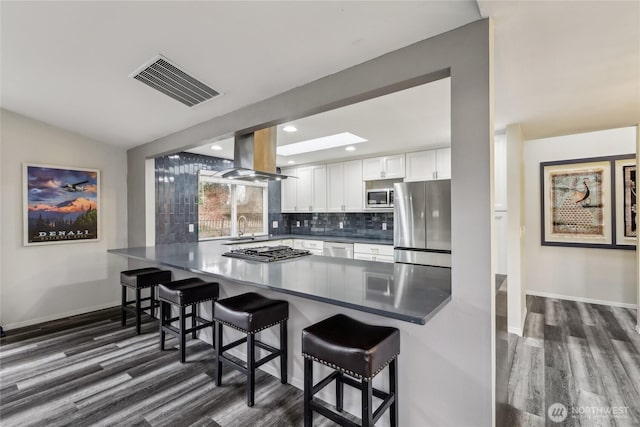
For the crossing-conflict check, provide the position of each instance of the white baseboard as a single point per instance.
(515, 330)
(519, 330)
(580, 299)
(60, 315)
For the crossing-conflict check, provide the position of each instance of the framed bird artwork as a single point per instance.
(626, 201)
(579, 203)
(61, 204)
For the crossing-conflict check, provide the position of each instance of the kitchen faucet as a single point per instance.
(244, 222)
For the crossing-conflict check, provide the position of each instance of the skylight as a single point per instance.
(317, 144)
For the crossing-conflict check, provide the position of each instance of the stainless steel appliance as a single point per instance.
(338, 250)
(267, 253)
(422, 223)
(379, 198)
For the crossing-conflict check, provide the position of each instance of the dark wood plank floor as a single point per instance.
(583, 356)
(88, 371)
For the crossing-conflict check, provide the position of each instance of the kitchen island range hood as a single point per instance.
(254, 157)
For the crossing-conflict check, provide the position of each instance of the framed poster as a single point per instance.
(61, 204)
(626, 201)
(577, 203)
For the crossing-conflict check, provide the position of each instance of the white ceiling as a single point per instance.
(566, 67)
(560, 67)
(410, 120)
(67, 63)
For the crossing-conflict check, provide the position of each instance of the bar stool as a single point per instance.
(251, 313)
(139, 279)
(354, 350)
(183, 293)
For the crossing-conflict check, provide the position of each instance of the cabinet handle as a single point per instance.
(310, 208)
(374, 250)
(373, 258)
(433, 175)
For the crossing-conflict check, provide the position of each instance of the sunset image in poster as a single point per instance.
(62, 204)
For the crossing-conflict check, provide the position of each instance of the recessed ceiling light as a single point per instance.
(317, 144)
(350, 148)
(216, 147)
(291, 162)
(290, 128)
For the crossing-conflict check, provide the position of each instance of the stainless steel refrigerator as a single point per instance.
(422, 222)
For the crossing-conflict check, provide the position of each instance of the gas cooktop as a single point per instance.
(267, 253)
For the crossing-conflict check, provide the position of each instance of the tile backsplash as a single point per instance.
(177, 206)
(361, 225)
(177, 194)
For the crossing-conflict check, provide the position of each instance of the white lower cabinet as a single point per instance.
(372, 252)
(313, 246)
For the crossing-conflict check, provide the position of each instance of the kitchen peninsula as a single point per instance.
(411, 293)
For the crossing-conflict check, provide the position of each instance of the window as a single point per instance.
(228, 208)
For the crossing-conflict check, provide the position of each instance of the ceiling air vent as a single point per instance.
(166, 77)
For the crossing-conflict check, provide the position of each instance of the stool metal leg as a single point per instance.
(251, 368)
(218, 350)
(393, 388)
(367, 403)
(308, 392)
(194, 313)
(285, 350)
(161, 323)
(183, 337)
(138, 311)
(339, 392)
(123, 313)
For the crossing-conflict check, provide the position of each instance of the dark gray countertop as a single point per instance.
(338, 239)
(413, 293)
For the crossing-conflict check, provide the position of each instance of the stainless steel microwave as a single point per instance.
(379, 198)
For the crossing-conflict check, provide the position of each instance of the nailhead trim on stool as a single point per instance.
(361, 347)
(177, 294)
(138, 279)
(251, 309)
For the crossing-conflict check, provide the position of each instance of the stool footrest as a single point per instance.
(268, 358)
(325, 382)
(387, 398)
(333, 416)
(233, 364)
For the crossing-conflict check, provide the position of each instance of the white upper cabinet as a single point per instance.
(429, 165)
(353, 186)
(443, 162)
(386, 167)
(319, 188)
(304, 185)
(307, 193)
(345, 189)
(288, 190)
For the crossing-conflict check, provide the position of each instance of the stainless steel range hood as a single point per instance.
(254, 157)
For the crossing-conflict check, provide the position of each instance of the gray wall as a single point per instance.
(446, 366)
